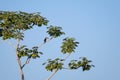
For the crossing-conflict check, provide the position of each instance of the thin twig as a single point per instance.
(41, 44)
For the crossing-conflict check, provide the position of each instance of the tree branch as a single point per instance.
(57, 69)
(52, 74)
(66, 57)
(28, 59)
(26, 62)
(44, 42)
(18, 60)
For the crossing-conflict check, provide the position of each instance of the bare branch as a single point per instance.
(66, 57)
(45, 42)
(26, 62)
(55, 71)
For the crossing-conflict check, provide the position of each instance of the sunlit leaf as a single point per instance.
(53, 64)
(69, 45)
(14, 23)
(55, 31)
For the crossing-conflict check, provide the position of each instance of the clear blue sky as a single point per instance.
(94, 23)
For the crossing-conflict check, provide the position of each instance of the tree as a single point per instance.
(13, 26)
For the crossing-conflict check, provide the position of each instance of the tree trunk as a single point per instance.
(19, 62)
(20, 67)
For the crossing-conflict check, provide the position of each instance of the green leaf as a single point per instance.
(15, 23)
(41, 53)
(69, 45)
(34, 56)
(84, 63)
(44, 63)
(55, 31)
(53, 64)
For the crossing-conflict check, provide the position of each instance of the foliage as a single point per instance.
(84, 63)
(54, 64)
(55, 31)
(58, 63)
(69, 45)
(14, 24)
(30, 53)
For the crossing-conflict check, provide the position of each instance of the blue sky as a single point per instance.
(94, 23)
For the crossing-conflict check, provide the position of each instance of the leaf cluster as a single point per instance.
(69, 45)
(84, 63)
(55, 31)
(30, 53)
(13, 23)
(54, 64)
